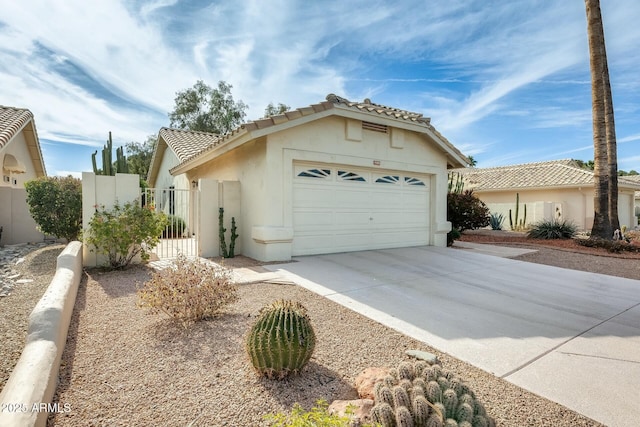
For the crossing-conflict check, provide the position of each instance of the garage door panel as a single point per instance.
(351, 218)
(309, 196)
(303, 220)
(351, 197)
(334, 214)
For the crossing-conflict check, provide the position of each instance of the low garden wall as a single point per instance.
(26, 397)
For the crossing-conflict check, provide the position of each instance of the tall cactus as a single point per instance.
(518, 225)
(282, 340)
(107, 160)
(221, 231)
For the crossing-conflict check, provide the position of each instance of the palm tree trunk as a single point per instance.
(601, 222)
(612, 155)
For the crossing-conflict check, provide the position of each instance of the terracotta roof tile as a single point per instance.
(554, 173)
(332, 101)
(186, 143)
(11, 121)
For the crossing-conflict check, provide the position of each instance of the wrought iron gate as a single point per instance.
(182, 208)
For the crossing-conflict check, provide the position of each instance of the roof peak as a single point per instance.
(369, 106)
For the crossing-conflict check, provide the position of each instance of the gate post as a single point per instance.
(208, 239)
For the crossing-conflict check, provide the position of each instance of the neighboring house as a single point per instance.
(332, 177)
(21, 160)
(636, 179)
(554, 189)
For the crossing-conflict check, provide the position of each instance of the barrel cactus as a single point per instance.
(434, 398)
(282, 340)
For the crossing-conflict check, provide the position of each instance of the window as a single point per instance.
(315, 173)
(389, 179)
(350, 176)
(413, 181)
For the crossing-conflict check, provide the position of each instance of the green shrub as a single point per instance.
(552, 229)
(175, 227)
(318, 416)
(55, 203)
(282, 340)
(123, 232)
(189, 291)
(452, 236)
(496, 220)
(466, 211)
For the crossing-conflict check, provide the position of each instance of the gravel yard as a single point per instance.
(123, 367)
(38, 266)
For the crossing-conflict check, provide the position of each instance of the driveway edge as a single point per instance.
(26, 397)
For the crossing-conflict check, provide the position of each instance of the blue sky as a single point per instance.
(506, 82)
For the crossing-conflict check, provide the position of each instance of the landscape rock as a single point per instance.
(360, 409)
(423, 355)
(367, 379)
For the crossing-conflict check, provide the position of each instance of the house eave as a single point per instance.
(255, 132)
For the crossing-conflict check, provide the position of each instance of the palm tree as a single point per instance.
(605, 161)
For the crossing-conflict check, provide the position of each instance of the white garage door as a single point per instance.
(341, 208)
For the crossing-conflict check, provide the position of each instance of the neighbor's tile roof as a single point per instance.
(554, 173)
(332, 101)
(186, 143)
(11, 121)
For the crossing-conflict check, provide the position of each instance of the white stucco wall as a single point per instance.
(15, 218)
(246, 164)
(18, 148)
(576, 205)
(264, 168)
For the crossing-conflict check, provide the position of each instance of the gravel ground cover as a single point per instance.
(122, 367)
(38, 266)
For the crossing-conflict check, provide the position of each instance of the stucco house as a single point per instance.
(332, 177)
(553, 189)
(636, 179)
(21, 160)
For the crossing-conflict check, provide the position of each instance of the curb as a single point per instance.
(26, 397)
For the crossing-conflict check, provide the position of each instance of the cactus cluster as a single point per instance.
(224, 253)
(108, 166)
(520, 224)
(422, 395)
(282, 340)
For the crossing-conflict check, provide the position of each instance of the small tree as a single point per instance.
(466, 211)
(55, 204)
(125, 231)
(272, 110)
(206, 109)
(139, 158)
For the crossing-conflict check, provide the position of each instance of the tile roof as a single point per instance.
(332, 101)
(555, 173)
(12, 120)
(187, 143)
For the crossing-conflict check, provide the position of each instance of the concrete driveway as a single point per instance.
(570, 336)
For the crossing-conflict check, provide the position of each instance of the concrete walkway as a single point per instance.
(570, 336)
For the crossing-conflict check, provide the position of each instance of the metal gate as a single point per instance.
(180, 236)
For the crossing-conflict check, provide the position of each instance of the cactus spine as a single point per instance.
(282, 340)
(403, 417)
(383, 414)
(434, 398)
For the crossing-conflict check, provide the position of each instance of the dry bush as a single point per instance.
(189, 291)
